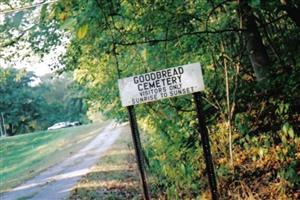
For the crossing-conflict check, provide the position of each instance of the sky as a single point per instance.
(39, 69)
(35, 64)
(31, 63)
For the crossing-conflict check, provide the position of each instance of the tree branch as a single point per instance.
(153, 41)
(15, 40)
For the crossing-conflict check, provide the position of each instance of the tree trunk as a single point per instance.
(1, 126)
(10, 129)
(257, 51)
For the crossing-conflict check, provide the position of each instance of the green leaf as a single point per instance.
(43, 13)
(291, 132)
(82, 31)
(261, 152)
(283, 139)
(182, 168)
(285, 128)
(255, 3)
(69, 24)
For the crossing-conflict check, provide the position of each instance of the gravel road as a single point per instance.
(56, 182)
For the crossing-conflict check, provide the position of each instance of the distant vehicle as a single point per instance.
(75, 123)
(64, 125)
(59, 125)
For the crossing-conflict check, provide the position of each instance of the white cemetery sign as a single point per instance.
(161, 84)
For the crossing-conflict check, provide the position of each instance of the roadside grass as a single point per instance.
(24, 156)
(115, 176)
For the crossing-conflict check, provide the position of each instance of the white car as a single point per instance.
(58, 126)
(75, 123)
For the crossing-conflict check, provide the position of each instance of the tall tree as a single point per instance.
(256, 49)
(17, 102)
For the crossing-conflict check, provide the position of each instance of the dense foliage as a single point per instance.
(28, 107)
(249, 51)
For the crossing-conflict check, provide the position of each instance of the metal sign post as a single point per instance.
(138, 152)
(206, 147)
(166, 83)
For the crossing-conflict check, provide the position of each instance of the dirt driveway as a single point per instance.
(56, 182)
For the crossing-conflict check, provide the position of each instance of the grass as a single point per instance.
(23, 156)
(115, 176)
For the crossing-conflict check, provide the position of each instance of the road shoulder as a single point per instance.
(115, 176)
